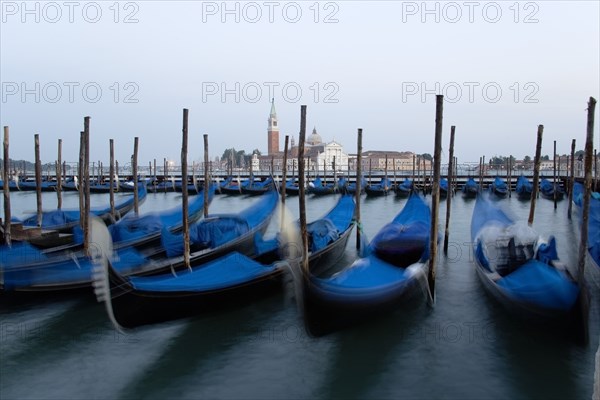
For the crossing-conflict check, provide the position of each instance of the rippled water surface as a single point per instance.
(465, 347)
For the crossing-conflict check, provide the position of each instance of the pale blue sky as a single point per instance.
(374, 58)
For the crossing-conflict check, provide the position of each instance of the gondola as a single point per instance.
(547, 190)
(319, 188)
(499, 187)
(234, 187)
(103, 187)
(128, 186)
(162, 186)
(219, 185)
(593, 220)
(523, 188)
(255, 188)
(13, 185)
(65, 220)
(378, 189)
(26, 269)
(405, 188)
(227, 277)
(70, 185)
(291, 187)
(519, 268)
(470, 188)
(144, 230)
(30, 186)
(350, 188)
(193, 188)
(393, 271)
(443, 188)
(327, 235)
(214, 236)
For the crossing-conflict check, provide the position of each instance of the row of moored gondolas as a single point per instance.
(138, 268)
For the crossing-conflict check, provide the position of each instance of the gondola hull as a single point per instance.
(518, 268)
(523, 188)
(470, 189)
(27, 186)
(376, 192)
(522, 309)
(324, 314)
(499, 188)
(548, 189)
(258, 188)
(133, 308)
(372, 285)
(64, 221)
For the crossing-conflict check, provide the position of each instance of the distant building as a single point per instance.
(321, 156)
(255, 162)
(272, 132)
(318, 156)
(375, 160)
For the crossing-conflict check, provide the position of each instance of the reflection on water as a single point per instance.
(465, 347)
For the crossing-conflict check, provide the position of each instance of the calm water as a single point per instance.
(465, 347)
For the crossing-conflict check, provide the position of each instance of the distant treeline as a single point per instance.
(21, 165)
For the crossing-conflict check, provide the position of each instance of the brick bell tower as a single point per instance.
(273, 131)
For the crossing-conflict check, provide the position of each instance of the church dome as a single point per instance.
(314, 138)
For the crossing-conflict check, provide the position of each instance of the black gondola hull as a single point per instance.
(324, 314)
(133, 308)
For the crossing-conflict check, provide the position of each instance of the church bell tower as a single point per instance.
(273, 131)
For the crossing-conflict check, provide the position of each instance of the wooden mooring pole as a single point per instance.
(302, 194)
(509, 172)
(59, 173)
(358, 185)
(435, 194)
(449, 195)
(111, 180)
(418, 176)
(184, 191)
(571, 179)
(284, 169)
(482, 173)
(134, 172)
(587, 185)
(38, 180)
(536, 173)
(283, 181)
(165, 174)
(370, 172)
(80, 187)
(385, 175)
(6, 188)
(207, 182)
(395, 184)
(554, 179)
(424, 177)
(86, 179)
(413, 173)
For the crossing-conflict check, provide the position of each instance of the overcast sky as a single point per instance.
(504, 68)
